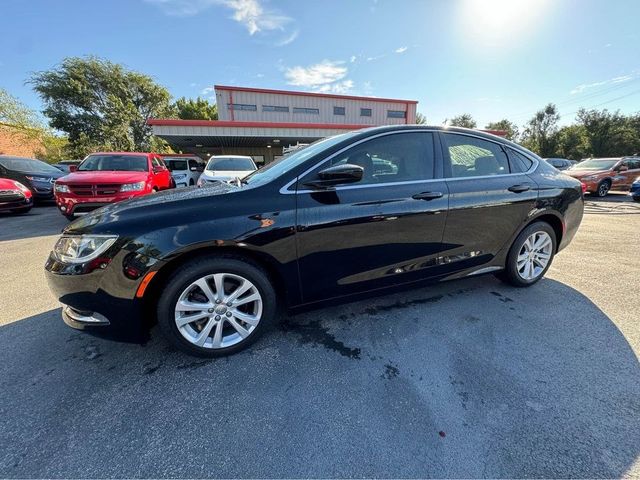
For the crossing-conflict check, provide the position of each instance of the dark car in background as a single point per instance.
(560, 163)
(37, 175)
(65, 165)
(635, 190)
(364, 212)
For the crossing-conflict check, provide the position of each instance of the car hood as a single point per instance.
(104, 177)
(585, 173)
(226, 173)
(56, 174)
(139, 209)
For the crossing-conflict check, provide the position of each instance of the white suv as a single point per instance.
(185, 170)
(226, 168)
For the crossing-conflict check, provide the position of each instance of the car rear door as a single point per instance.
(490, 195)
(383, 230)
(629, 175)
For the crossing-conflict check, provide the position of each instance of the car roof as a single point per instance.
(15, 157)
(121, 153)
(231, 156)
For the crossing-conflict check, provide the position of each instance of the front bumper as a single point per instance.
(15, 204)
(73, 205)
(102, 301)
(42, 190)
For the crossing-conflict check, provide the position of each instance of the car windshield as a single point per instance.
(231, 164)
(596, 164)
(174, 164)
(125, 163)
(292, 160)
(27, 165)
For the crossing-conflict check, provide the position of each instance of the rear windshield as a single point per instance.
(231, 164)
(124, 163)
(176, 164)
(596, 164)
(27, 165)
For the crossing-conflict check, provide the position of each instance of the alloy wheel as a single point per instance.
(534, 255)
(218, 310)
(603, 189)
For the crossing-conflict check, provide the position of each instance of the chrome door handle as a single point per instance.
(519, 188)
(427, 195)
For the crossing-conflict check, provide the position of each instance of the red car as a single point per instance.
(109, 177)
(14, 197)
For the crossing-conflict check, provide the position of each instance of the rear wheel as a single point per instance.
(191, 183)
(216, 306)
(530, 256)
(603, 188)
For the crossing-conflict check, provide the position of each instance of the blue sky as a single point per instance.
(493, 59)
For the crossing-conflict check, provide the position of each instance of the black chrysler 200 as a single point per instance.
(361, 212)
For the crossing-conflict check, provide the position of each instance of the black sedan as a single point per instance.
(37, 175)
(360, 213)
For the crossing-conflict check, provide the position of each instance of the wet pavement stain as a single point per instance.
(390, 371)
(401, 305)
(502, 298)
(315, 334)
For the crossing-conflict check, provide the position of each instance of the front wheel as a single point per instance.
(603, 188)
(216, 306)
(530, 256)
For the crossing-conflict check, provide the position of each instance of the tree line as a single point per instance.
(93, 104)
(595, 133)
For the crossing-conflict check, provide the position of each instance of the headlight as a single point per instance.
(38, 179)
(82, 248)
(60, 188)
(130, 187)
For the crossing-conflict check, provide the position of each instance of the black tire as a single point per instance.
(70, 217)
(510, 274)
(636, 199)
(191, 183)
(603, 188)
(188, 273)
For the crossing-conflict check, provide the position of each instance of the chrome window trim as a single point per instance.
(285, 189)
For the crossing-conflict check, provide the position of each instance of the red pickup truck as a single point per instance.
(108, 177)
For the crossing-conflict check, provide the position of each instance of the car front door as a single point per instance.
(161, 174)
(383, 230)
(490, 195)
(626, 177)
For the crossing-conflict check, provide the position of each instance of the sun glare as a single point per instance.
(494, 21)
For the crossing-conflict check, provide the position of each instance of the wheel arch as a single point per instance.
(263, 261)
(552, 219)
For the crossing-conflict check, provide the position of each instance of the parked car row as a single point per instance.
(600, 175)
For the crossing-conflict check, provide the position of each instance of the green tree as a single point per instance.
(15, 114)
(421, 119)
(540, 132)
(198, 109)
(101, 105)
(506, 126)
(571, 142)
(608, 134)
(465, 120)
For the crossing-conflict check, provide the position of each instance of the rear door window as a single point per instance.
(520, 164)
(467, 156)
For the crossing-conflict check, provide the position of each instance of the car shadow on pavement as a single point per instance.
(40, 221)
(464, 379)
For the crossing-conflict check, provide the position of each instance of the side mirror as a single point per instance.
(73, 168)
(622, 168)
(337, 175)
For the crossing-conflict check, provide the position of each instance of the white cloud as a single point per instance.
(260, 75)
(352, 59)
(401, 49)
(586, 86)
(314, 76)
(376, 57)
(287, 40)
(207, 91)
(250, 13)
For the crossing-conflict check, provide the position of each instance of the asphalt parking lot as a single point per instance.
(465, 379)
